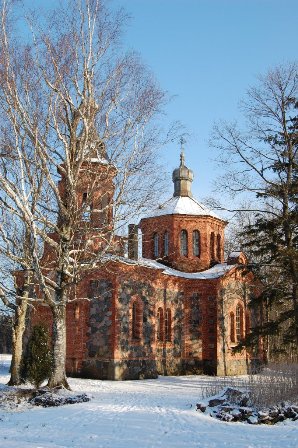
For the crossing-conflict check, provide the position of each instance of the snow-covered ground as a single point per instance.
(149, 413)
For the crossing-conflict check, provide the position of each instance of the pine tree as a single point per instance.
(38, 359)
(265, 158)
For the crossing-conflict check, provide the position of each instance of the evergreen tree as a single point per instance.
(265, 165)
(38, 359)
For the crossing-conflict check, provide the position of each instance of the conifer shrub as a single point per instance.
(37, 362)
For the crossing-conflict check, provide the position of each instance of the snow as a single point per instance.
(182, 205)
(235, 254)
(131, 414)
(216, 271)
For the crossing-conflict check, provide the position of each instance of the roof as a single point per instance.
(182, 205)
(217, 271)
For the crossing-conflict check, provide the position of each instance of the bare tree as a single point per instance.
(262, 165)
(71, 98)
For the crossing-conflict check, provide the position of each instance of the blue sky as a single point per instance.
(206, 53)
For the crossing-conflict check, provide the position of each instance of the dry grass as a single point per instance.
(275, 384)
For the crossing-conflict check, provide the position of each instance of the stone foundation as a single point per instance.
(119, 370)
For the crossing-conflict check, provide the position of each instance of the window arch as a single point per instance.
(166, 243)
(183, 243)
(218, 247)
(239, 323)
(212, 254)
(155, 245)
(232, 327)
(160, 325)
(136, 321)
(196, 243)
(168, 325)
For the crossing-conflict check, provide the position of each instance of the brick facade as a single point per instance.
(180, 309)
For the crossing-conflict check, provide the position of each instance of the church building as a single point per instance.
(179, 308)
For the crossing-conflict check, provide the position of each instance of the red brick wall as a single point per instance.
(174, 224)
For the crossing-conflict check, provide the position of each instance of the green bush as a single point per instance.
(38, 357)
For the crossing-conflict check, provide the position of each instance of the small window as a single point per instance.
(232, 327)
(239, 323)
(166, 243)
(183, 243)
(168, 325)
(212, 253)
(104, 209)
(196, 243)
(194, 316)
(247, 323)
(160, 325)
(155, 245)
(77, 311)
(136, 320)
(218, 247)
(86, 208)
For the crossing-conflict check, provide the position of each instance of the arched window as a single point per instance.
(218, 247)
(183, 243)
(155, 245)
(136, 323)
(77, 311)
(212, 254)
(86, 208)
(160, 325)
(247, 323)
(196, 243)
(232, 327)
(239, 323)
(104, 208)
(168, 325)
(166, 244)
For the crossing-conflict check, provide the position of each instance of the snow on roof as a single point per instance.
(98, 160)
(182, 205)
(235, 254)
(216, 271)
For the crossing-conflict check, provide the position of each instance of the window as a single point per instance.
(86, 208)
(196, 243)
(194, 316)
(212, 254)
(77, 311)
(155, 245)
(183, 243)
(160, 324)
(136, 320)
(166, 244)
(104, 209)
(239, 323)
(218, 247)
(168, 325)
(247, 323)
(232, 327)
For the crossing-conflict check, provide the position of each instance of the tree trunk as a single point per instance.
(17, 342)
(58, 375)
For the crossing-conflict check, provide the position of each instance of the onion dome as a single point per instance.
(182, 178)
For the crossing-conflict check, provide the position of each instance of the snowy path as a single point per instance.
(146, 414)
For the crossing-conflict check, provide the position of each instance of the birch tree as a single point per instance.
(70, 95)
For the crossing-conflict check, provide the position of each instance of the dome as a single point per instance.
(182, 178)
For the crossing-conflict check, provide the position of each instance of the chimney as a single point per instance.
(133, 241)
